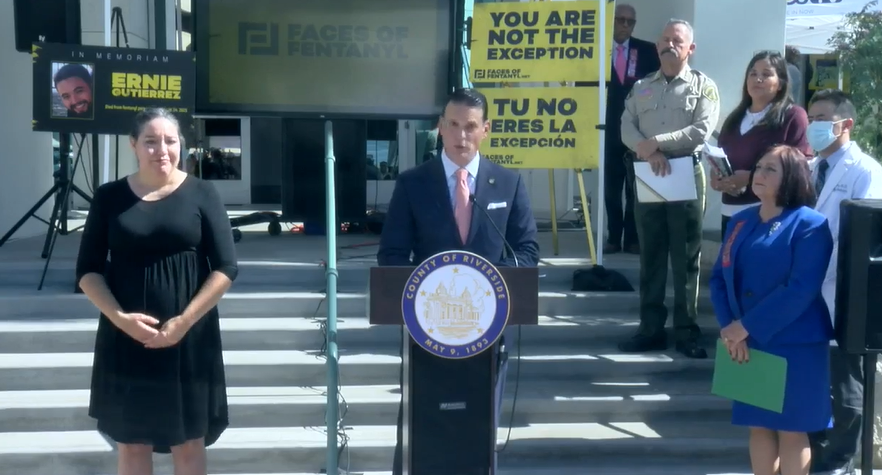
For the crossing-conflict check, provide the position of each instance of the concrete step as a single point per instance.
(26, 371)
(265, 449)
(620, 400)
(52, 304)
(351, 273)
(353, 333)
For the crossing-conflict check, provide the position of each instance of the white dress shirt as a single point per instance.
(450, 169)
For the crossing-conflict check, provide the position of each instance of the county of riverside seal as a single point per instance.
(455, 304)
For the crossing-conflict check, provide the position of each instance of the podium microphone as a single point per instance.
(506, 246)
(503, 354)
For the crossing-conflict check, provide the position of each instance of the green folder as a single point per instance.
(760, 382)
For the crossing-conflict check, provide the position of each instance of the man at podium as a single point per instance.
(461, 201)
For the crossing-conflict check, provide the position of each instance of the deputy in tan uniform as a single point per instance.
(670, 114)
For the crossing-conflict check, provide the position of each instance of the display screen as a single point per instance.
(99, 90)
(341, 57)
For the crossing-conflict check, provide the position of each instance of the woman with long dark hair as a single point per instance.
(766, 116)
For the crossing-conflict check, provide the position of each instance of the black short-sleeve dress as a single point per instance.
(160, 254)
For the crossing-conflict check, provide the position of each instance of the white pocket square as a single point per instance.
(501, 204)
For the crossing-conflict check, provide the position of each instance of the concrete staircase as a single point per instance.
(580, 402)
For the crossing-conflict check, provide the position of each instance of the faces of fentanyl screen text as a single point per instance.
(72, 91)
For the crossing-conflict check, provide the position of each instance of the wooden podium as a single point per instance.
(450, 407)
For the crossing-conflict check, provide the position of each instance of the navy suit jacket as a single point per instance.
(420, 219)
(647, 62)
(779, 300)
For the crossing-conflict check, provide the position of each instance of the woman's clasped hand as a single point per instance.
(734, 332)
(735, 338)
(739, 352)
(143, 328)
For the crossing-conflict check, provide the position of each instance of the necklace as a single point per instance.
(774, 228)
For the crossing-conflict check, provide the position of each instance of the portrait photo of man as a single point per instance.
(72, 87)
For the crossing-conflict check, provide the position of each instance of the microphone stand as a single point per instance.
(502, 355)
(506, 247)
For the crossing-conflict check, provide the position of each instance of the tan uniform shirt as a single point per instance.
(680, 114)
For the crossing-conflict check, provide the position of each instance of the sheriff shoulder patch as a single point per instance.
(710, 92)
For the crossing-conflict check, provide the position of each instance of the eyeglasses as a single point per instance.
(622, 21)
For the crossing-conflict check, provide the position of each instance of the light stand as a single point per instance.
(116, 18)
(61, 189)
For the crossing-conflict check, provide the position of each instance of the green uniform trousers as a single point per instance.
(675, 230)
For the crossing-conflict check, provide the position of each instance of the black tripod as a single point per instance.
(61, 189)
(116, 21)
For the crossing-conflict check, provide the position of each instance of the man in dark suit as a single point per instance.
(431, 210)
(632, 59)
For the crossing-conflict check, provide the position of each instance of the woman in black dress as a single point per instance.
(158, 374)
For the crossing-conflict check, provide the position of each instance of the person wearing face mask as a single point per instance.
(841, 171)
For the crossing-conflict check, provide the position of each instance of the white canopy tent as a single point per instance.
(811, 25)
(810, 35)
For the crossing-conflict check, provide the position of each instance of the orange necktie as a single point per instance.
(462, 209)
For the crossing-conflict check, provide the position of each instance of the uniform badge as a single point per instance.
(710, 92)
(455, 305)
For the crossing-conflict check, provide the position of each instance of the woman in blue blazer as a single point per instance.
(766, 292)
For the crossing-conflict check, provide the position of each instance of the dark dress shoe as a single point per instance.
(611, 248)
(633, 249)
(644, 344)
(691, 350)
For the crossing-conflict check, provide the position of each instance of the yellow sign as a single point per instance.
(308, 56)
(826, 73)
(145, 86)
(533, 127)
(540, 41)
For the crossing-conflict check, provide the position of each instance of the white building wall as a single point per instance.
(25, 156)
(723, 51)
(718, 24)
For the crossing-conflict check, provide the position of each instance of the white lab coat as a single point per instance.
(840, 185)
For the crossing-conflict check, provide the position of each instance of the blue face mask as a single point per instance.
(820, 134)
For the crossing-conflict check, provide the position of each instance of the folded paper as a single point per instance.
(759, 382)
(679, 185)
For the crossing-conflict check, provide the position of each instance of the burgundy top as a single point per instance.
(744, 151)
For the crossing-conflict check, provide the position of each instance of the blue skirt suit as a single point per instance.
(769, 276)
